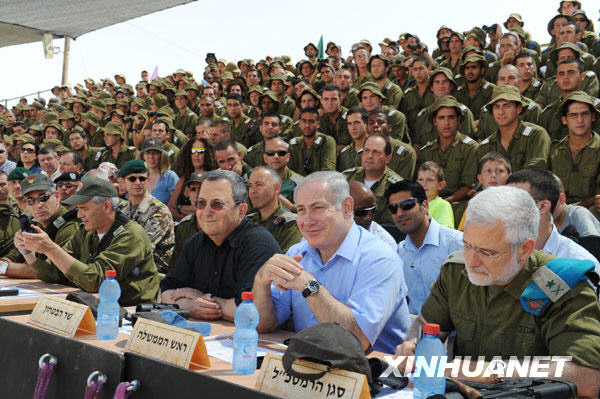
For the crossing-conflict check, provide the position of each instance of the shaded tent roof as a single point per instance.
(25, 21)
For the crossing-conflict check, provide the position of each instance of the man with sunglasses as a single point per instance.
(219, 262)
(270, 127)
(150, 213)
(481, 294)
(364, 209)
(39, 193)
(66, 185)
(276, 156)
(427, 243)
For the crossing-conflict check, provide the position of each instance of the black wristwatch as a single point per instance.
(312, 287)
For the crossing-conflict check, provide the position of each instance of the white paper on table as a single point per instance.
(223, 349)
(25, 293)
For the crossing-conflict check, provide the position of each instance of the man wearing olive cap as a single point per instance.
(476, 91)
(106, 240)
(186, 119)
(371, 99)
(116, 151)
(277, 84)
(378, 67)
(148, 212)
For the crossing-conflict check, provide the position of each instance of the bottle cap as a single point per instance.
(247, 295)
(431, 328)
(110, 273)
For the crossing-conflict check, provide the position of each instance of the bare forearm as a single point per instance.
(264, 303)
(228, 307)
(60, 258)
(20, 270)
(459, 195)
(586, 379)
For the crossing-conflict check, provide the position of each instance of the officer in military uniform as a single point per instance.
(116, 152)
(526, 145)
(476, 91)
(78, 142)
(270, 127)
(39, 193)
(15, 200)
(90, 122)
(313, 151)
(9, 220)
(371, 99)
(124, 247)
(576, 158)
(378, 67)
(374, 173)
(149, 212)
(264, 187)
(277, 84)
(277, 157)
(186, 119)
(333, 122)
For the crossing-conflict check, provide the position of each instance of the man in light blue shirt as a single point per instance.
(427, 243)
(337, 273)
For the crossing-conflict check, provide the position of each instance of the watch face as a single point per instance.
(313, 285)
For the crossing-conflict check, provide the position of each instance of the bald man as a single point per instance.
(364, 208)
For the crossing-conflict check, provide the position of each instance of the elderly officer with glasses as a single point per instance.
(427, 243)
(220, 261)
(40, 196)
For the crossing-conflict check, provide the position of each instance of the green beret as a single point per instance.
(133, 166)
(18, 173)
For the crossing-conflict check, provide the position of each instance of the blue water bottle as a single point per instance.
(427, 382)
(107, 322)
(245, 338)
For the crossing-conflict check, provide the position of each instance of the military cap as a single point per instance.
(141, 84)
(579, 97)
(519, 31)
(156, 82)
(78, 100)
(468, 49)
(139, 101)
(118, 112)
(372, 87)
(123, 102)
(18, 173)
(554, 18)
(366, 42)
(91, 117)
(141, 111)
(19, 107)
(180, 70)
(152, 143)
(65, 115)
(475, 58)
(109, 81)
(458, 34)
(160, 100)
(50, 117)
(89, 81)
(276, 77)
(569, 45)
(222, 61)
(441, 29)
(110, 101)
(227, 75)
(195, 177)
(385, 42)
(25, 138)
(55, 144)
(98, 104)
(233, 68)
(311, 91)
(114, 128)
(309, 44)
(39, 182)
(445, 101)
(168, 111)
(192, 86)
(127, 87)
(68, 176)
(270, 94)
(382, 57)
(53, 101)
(447, 72)
(579, 12)
(255, 88)
(181, 93)
(37, 105)
(38, 127)
(478, 34)
(120, 75)
(516, 16)
(133, 166)
(55, 125)
(508, 93)
(91, 187)
(577, 3)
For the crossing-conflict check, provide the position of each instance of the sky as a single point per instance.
(180, 37)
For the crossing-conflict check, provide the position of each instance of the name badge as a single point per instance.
(336, 384)
(63, 317)
(170, 344)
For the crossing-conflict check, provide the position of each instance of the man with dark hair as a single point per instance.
(545, 191)
(350, 156)
(313, 151)
(116, 152)
(371, 99)
(163, 130)
(242, 126)
(344, 80)
(529, 85)
(417, 96)
(229, 157)
(78, 141)
(278, 84)
(185, 119)
(71, 162)
(220, 261)
(269, 127)
(333, 122)
(427, 243)
(379, 67)
(476, 91)
(48, 160)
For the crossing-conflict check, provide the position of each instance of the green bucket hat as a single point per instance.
(25, 138)
(277, 77)
(133, 166)
(91, 117)
(372, 87)
(55, 125)
(554, 18)
(114, 128)
(65, 115)
(579, 97)
(181, 93)
(571, 46)
(227, 75)
(98, 104)
(474, 58)
(445, 101)
(516, 16)
(447, 72)
(508, 93)
(160, 100)
(91, 187)
(270, 94)
(50, 117)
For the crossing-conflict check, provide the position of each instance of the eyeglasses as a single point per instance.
(28, 150)
(42, 198)
(215, 205)
(581, 20)
(65, 185)
(132, 179)
(483, 252)
(362, 212)
(198, 150)
(405, 205)
(194, 189)
(280, 153)
(2, 151)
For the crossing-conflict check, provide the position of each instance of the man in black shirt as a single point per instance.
(219, 262)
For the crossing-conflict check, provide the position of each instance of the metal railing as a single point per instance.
(36, 94)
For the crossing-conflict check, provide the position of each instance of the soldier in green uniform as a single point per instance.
(39, 193)
(379, 67)
(90, 122)
(185, 119)
(313, 151)
(526, 145)
(277, 157)
(350, 156)
(418, 96)
(162, 129)
(333, 121)
(371, 99)
(148, 212)
(264, 187)
(15, 200)
(268, 102)
(124, 247)
(589, 38)
(479, 295)
(78, 142)
(270, 127)
(576, 158)
(375, 174)
(476, 91)
(348, 94)
(452, 58)
(243, 128)
(116, 152)
(9, 220)
(277, 84)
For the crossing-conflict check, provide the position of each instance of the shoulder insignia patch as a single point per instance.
(527, 131)
(388, 86)
(485, 141)
(344, 115)
(590, 73)
(98, 155)
(171, 152)
(350, 170)
(293, 141)
(531, 105)
(456, 257)
(486, 85)
(463, 107)
(400, 150)
(319, 140)
(536, 83)
(131, 148)
(596, 102)
(346, 148)
(59, 222)
(467, 140)
(250, 149)
(284, 118)
(421, 112)
(393, 179)
(391, 113)
(119, 230)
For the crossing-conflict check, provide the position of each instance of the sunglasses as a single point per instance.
(132, 179)
(29, 150)
(362, 212)
(2, 151)
(280, 153)
(42, 198)
(65, 185)
(198, 150)
(215, 205)
(405, 205)
(194, 189)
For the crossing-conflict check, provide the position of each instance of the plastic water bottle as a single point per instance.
(107, 323)
(430, 345)
(245, 338)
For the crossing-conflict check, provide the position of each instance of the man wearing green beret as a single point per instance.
(526, 145)
(313, 151)
(148, 212)
(379, 67)
(185, 119)
(9, 220)
(576, 158)
(15, 200)
(105, 240)
(371, 99)
(476, 91)
(116, 152)
(39, 193)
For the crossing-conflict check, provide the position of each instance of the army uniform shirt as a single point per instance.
(92, 159)
(172, 151)
(320, 156)
(550, 92)
(487, 124)
(490, 320)
(404, 159)
(179, 138)
(129, 253)
(398, 123)
(254, 156)
(412, 103)
(533, 89)
(393, 94)
(242, 132)
(580, 176)
(459, 161)
(282, 225)
(382, 215)
(97, 140)
(338, 129)
(9, 225)
(427, 132)
(289, 182)
(287, 106)
(551, 121)
(126, 154)
(351, 99)
(482, 97)
(186, 122)
(349, 158)
(185, 229)
(529, 147)
(156, 219)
